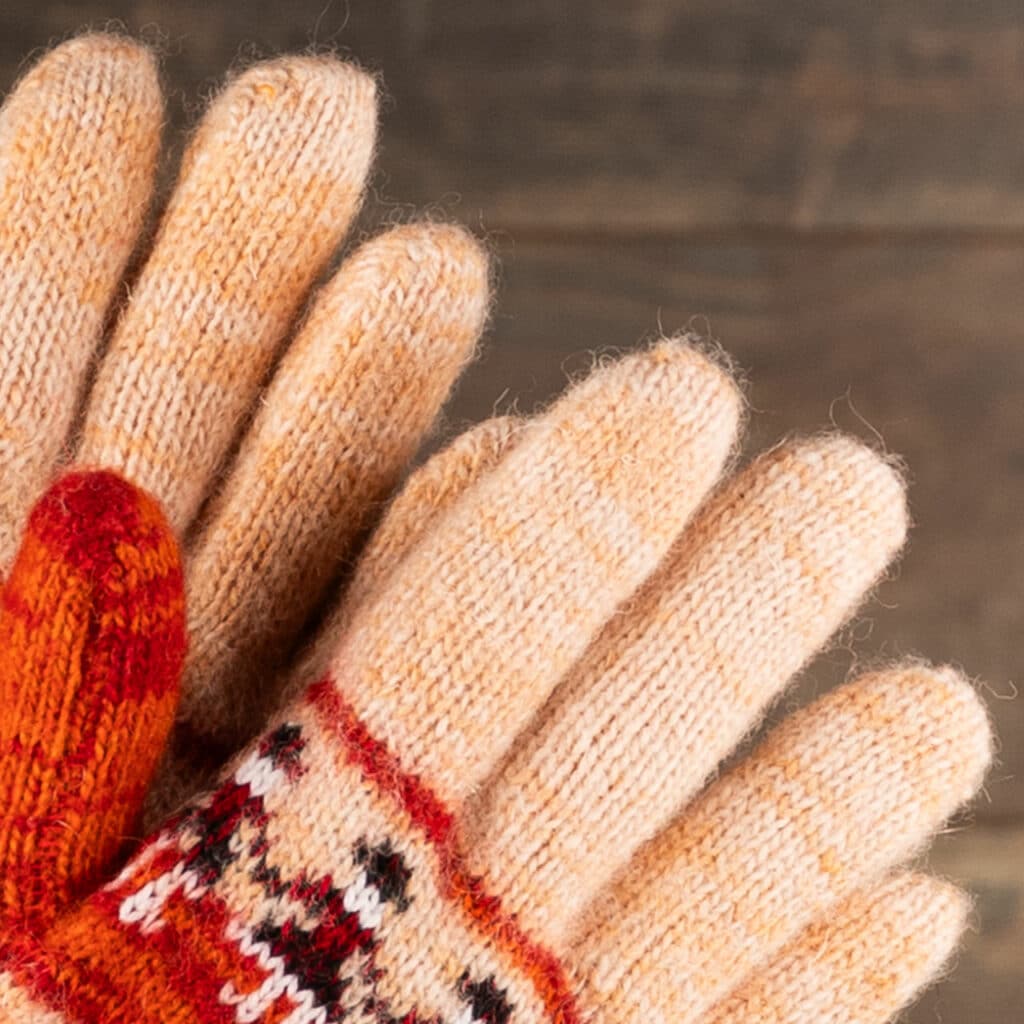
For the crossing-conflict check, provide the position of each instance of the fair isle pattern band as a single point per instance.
(312, 947)
(456, 883)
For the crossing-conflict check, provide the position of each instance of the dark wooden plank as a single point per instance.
(650, 115)
(920, 343)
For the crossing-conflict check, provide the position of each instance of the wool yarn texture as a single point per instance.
(92, 642)
(270, 419)
(502, 800)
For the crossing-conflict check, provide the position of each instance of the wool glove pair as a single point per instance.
(492, 803)
(495, 804)
(268, 503)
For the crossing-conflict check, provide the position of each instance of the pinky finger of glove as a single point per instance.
(827, 804)
(92, 640)
(863, 964)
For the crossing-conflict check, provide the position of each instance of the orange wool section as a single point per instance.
(91, 967)
(92, 944)
(208, 946)
(91, 646)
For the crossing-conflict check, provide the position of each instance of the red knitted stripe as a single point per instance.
(212, 959)
(380, 766)
(44, 979)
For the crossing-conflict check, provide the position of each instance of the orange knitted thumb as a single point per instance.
(92, 640)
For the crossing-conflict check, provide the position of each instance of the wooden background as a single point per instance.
(833, 190)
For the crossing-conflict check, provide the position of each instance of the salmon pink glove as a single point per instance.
(502, 800)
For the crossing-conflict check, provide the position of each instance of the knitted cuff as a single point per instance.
(247, 909)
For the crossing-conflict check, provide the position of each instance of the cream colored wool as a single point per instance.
(562, 649)
(862, 964)
(836, 795)
(71, 204)
(267, 190)
(775, 562)
(383, 343)
(430, 490)
(559, 534)
(336, 865)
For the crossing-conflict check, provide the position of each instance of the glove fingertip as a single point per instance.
(92, 642)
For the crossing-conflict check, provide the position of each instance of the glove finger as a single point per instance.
(92, 641)
(419, 506)
(429, 492)
(426, 495)
(79, 139)
(499, 601)
(267, 189)
(863, 964)
(344, 414)
(756, 584)
(836, 795)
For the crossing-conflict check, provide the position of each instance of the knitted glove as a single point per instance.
(267, 190)
(92, 640)
(495, 804)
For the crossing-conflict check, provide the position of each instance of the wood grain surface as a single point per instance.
(833, 191)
